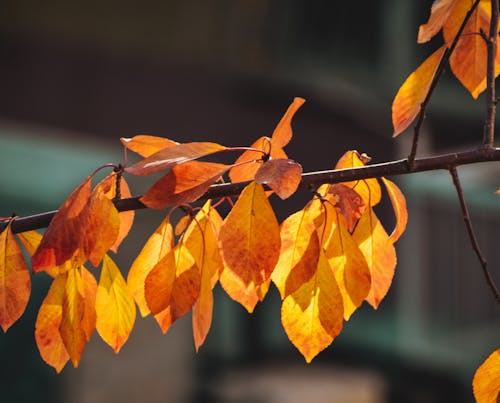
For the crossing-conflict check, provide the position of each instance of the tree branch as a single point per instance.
(435, 80)
(309, 180)
(472, 235)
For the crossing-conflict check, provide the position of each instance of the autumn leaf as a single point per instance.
(169, 157)
(440, 12)
(15, 282)
(185, 183)
(250, 245)
(346, 260)
(283, 176)
(407, 103)
(115, 307)
(282, 134)
(379, 253)
(299, 253)
(159, 244)
(468, 60)
(398, 202)
(312, 316)
(145, 145)
(182, 224)
(89, 287)
(368, 189)
(348, 202)
(48, 338)
(486, 382)
(159, 282)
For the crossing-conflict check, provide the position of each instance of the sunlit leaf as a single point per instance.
(15, 281)
(185, 183)
(283, 132)
(348, 202)
(312, 316)
(159, 283)
(159, 244)
(407, 102)
(379, 253)
(368, 189)
(89, 287)
(115, 307)
(48, 338)
(486, 383)
(440, 12)
(182, 224)
(171, 156)
(145, 145)
(398, 202)
(250, 245)
(283, 176)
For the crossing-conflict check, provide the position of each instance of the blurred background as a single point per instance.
(75, 76)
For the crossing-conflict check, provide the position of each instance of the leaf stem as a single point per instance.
(472, 235)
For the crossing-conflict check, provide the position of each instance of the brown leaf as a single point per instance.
(348, 202)
(283, 176)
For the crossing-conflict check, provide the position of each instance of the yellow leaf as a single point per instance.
(15, 281)
(406, 104)
(486, 383)
(379, 253)
(156, 248)
(440, 11)
(312, 316)
(250, 244)
(114, 306)
(398, 202)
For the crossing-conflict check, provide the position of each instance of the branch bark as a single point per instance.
(310, 180)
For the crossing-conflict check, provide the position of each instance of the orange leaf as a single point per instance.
(15, 282)
(156, 248)
(185, 183)
(440, 12)
(114, 306)
(249, 162)
(349, 203)
(299, 251)
(250, 245)
(171, 156)
(398, 202)
(47, 335)
(312, 316)
(145, 145)
(89, 287)
(346, 260)
(159, 283)
(486, 383)
(282, 175)
(72, 331)
(407, 102)
(368, 189)
(182, 224)
(283, 132)
(379, 253)
(468, 60)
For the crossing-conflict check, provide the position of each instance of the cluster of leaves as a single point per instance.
(325, 259)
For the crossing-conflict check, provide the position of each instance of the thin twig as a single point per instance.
(472, 235)
(435, 80)
(491, 46)
(309, 181)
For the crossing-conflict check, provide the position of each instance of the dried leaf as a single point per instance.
(282, 175)
(145, 145)
(169, 157)
(379, 253)
(283, 132)
(250, 245)
(486, 383)
(312, 316)
(15, 281)
(440, 12)
(156, 248)
(299, 253)
(348, 202)
(185, 183)
(48, 338)
(398, 202)
(408, 100)
(114, 306)
(368, 189)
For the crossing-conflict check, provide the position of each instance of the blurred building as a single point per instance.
(76, 76)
